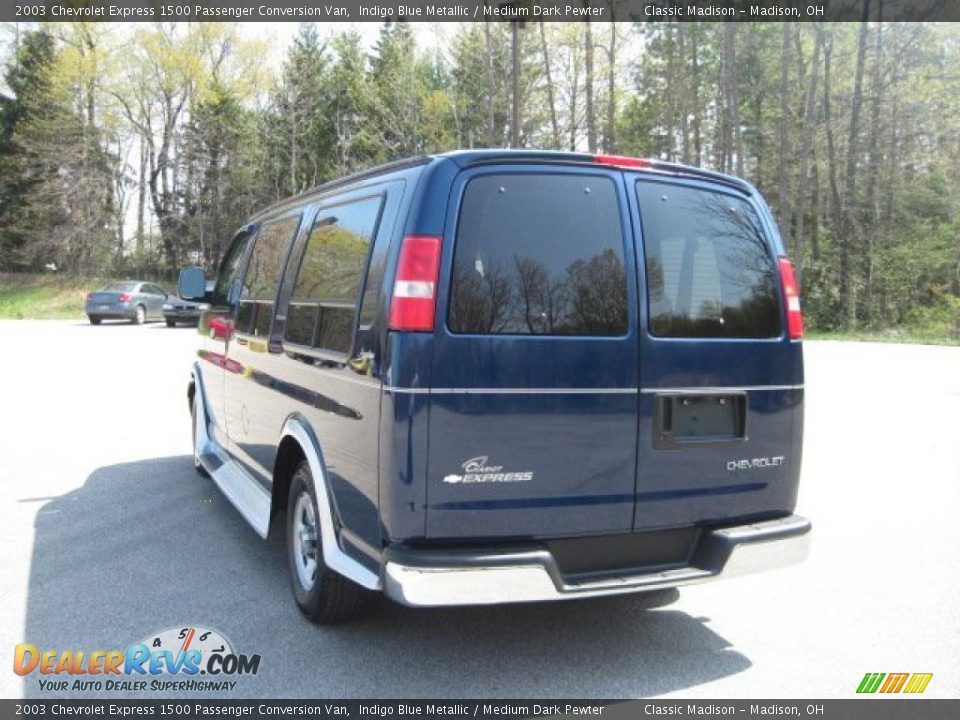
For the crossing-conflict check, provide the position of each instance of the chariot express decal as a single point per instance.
(477, 470)
(173, 659)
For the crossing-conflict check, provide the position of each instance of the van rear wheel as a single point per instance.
(321, 594)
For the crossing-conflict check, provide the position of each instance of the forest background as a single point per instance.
(130, 150)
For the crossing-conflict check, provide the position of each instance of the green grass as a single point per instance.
(905, 336)
(44, 296)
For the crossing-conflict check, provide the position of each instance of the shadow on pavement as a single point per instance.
(148, 545)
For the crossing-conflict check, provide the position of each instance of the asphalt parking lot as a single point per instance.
(109, 536)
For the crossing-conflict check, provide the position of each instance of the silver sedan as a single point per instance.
(131, 300)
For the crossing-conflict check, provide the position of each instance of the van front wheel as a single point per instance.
(321, 594)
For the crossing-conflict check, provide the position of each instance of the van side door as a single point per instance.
(254, 419)
(216, 327)
(329, 371)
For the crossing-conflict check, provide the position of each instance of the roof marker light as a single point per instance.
(621, 161)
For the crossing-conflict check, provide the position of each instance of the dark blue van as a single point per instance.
(502, 376)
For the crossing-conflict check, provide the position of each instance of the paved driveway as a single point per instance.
(108, 536)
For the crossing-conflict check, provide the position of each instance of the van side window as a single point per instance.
(259, 292)
(539, 255)
(323, 307)
(224, 292)
(710, 272)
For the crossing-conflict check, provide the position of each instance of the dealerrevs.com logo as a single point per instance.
(184, 658)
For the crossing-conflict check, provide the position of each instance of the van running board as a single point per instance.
(246, 494)
(241, 489)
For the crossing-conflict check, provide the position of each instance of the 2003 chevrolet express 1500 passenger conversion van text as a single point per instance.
(503, 376)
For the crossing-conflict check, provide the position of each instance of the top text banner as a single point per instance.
(521, 11)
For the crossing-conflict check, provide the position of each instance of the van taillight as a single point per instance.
(414, 300)
(791, 296)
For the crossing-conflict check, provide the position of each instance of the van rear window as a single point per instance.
(539, 255)
(710, 272)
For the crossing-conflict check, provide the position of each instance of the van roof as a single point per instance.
(467, 158)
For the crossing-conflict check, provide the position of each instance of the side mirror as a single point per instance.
(192, 284)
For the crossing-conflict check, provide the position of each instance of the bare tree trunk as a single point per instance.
(491, 91)
(873, 159)
(141, 195)
(732, 92)
(551, 99)
(588, 62)
(848, 235)
(515, 81)
(735, 99)
(783, 190)
(806, 149)
(695, 95)
(834, 210)
(610, 142)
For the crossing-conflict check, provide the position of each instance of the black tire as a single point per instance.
(331, 597)
(94, 320)
(171, 322)
(139, 315)
(201, 471)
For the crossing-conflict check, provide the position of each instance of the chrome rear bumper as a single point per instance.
(471, 578)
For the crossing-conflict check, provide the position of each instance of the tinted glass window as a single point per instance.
(263, 276)
(709, 268)
(539, 255)
(225, 290)
(324, 302)
(120, 287)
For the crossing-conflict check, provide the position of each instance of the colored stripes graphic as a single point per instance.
(894, 682)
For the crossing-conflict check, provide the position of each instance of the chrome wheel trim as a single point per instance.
(303, 541)
(141, 315)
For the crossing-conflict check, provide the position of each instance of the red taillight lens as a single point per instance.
(621, 161)
(791, 297)
(125, 297)
(414, 300)
(89, 295)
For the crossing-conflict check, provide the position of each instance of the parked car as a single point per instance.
(132, 300)
(179, 310)
(501, 376)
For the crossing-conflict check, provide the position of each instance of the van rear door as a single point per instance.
(533, 399)
(720, 380)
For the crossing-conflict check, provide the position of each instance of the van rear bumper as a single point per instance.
(454, 577)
